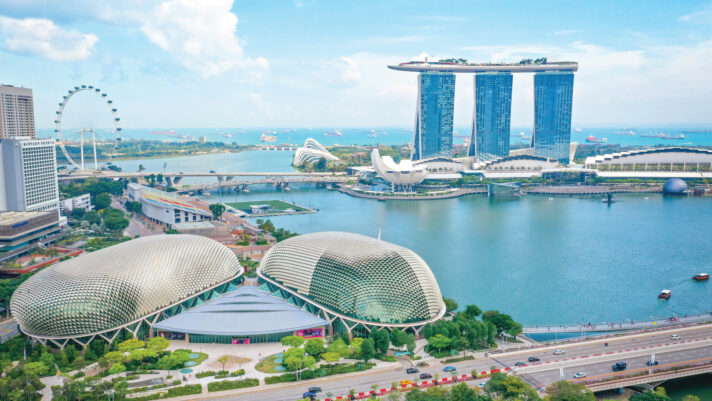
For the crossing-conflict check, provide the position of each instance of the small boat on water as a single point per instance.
(664, 294)
(701, 277)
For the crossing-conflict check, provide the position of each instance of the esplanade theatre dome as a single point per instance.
(120, 285)
(355, 277)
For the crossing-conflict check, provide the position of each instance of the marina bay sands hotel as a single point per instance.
(553, 91)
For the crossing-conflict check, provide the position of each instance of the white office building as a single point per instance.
(78, 202)
(17, 115)
(28, 175)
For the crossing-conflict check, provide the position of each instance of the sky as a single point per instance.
(323, 63)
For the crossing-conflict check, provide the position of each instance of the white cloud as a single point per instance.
(41, 37)
(200, 35)
(703, 16)
(347, 69)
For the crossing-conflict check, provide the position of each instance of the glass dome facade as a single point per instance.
(115, 286)
(357, 277)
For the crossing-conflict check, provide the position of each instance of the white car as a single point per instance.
(674, 337)
(559, 352)
(579, 375)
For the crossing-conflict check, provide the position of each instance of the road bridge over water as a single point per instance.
(621, 326)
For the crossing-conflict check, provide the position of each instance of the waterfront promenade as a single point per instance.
(412, 196)
(621, 326)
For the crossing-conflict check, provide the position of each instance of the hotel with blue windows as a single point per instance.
(553, 93)
(191, 288)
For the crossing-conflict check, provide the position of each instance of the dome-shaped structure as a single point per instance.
(118, 285)
(311, 152)
(674, 186)
(356, 277)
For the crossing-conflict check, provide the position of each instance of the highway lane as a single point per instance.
(545, 374)
(635, 363)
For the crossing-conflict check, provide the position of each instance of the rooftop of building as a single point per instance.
(169, 201)
(243, 312)
(462, 66)
(12, 218)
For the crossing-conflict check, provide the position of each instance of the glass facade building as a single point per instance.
(434, 115)
(358, 279)
(553, 93)
(125, 286)
(492, 115)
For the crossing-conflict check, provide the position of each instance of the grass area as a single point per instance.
(277, 205)
(268, 364)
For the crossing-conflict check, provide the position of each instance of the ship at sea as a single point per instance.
(663, 136)
(268, 138)
(333, 133)
(163, 132)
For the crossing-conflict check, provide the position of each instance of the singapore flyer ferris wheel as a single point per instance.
(86, 118)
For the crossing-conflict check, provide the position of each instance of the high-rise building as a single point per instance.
(492, 115)
(553, 92)
(17, 115)
(434, 115)
(28, 175)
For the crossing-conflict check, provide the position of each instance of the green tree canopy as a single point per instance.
(450, 304)
(314, 346)
(217, 209)
(565, 391)
(102, 201)
(292, 341)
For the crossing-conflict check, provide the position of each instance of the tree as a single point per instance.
(115, 356)
(450, 304)
(331, 356)
(35, 369)
(320, 164)
(131, 344)
(217, 209)
(691, 397)
(102, 201)
(157, 343)
(381, 340)
(461, 392)
(223, 360)
(309, 362)
(367, 350)
(117, 368)
(565, 391)
(133, 206)
(93, 217)
(439, 342)
(472, 311)
(314, 346)
(650, 396)
(78, 213)
(292, 341)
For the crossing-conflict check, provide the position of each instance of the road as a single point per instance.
(592, 357)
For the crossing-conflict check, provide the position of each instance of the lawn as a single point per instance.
(277, 205)
(270, 364)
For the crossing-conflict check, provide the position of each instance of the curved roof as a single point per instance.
(672, 154)
(115, 286)
(244, 312)
(311, 152)
(357, 277)
(403, 173)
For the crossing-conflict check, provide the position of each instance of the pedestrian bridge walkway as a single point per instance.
(621, 326)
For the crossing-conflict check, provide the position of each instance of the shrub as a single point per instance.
(206, 374)
(232, 384)
(190, 389)
(239, 372)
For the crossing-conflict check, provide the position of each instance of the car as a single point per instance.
(619, 366)
(482, 384)
(520, 364)
(674, 337)
(425, 376)
(559, 352)
(652, 363)
(533, 359)
(315, 389)
(406, 382)
(309, 395)
(579, 375)
(411, 370)
(212, 171)
(449, 369)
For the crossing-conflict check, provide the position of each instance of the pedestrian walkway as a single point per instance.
(621, 326)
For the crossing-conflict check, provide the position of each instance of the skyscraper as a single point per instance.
(492, 115)
(28, 175)
(553, 92)
(434, 114)
(17, 116)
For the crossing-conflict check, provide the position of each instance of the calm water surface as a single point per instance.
(545, 261)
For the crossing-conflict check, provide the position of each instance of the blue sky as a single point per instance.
(315, 63)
